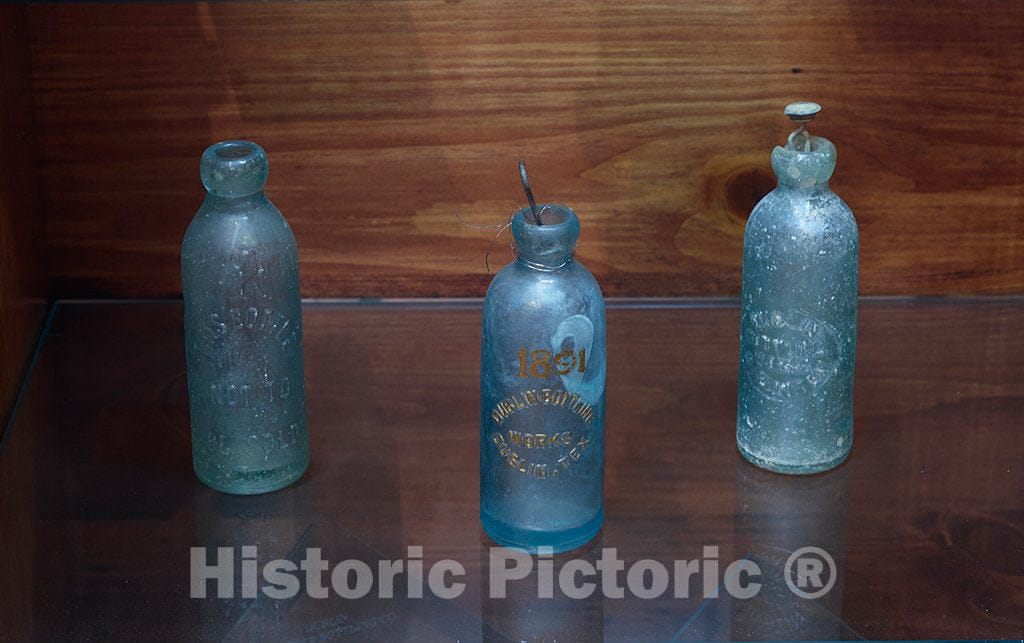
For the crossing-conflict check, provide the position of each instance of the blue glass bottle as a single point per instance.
(542, 379)
(799, 314)
(243, 330)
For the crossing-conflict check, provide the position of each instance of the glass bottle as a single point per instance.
(542, 378)
(243, 330)
(799, 313)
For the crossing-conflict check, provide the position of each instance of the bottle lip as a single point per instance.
(548, 246)
(234, 168)
(804, 169)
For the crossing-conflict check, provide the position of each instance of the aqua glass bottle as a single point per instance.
(799, 313)
(542, 378)
(243, 330)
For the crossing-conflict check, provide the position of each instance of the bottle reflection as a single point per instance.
(529, 612)
(776, 518)
(272, 524)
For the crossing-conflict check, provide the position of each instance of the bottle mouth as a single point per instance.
(234, 169)
(231, 150)
(551, 244)
(550, 214)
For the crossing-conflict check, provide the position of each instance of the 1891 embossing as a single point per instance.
(792, 354)
(542, 363)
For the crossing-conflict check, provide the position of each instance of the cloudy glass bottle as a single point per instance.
(243, 330)
(542, 380)
(799, 313)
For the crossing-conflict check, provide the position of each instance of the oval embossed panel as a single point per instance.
(793, 353)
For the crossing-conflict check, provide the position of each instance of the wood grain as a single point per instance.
(22, 306)
(386, 120)
(925, 518)
(22, 269)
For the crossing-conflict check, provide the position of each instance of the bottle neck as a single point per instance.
(543, 267)
(810, 190)
(220, 202)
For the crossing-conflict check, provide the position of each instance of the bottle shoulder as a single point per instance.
(788, 213)
(220, 224)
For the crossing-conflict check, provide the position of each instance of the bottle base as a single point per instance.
(531, 540)
(251, 483)
(792, 469)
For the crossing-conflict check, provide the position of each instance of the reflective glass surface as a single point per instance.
(100, 508)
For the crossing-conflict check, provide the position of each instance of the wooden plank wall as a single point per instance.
(385, 120)
(22, 269)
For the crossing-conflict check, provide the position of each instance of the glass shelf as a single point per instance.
(100, 507)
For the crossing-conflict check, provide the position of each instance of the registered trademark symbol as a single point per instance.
(806, 574)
